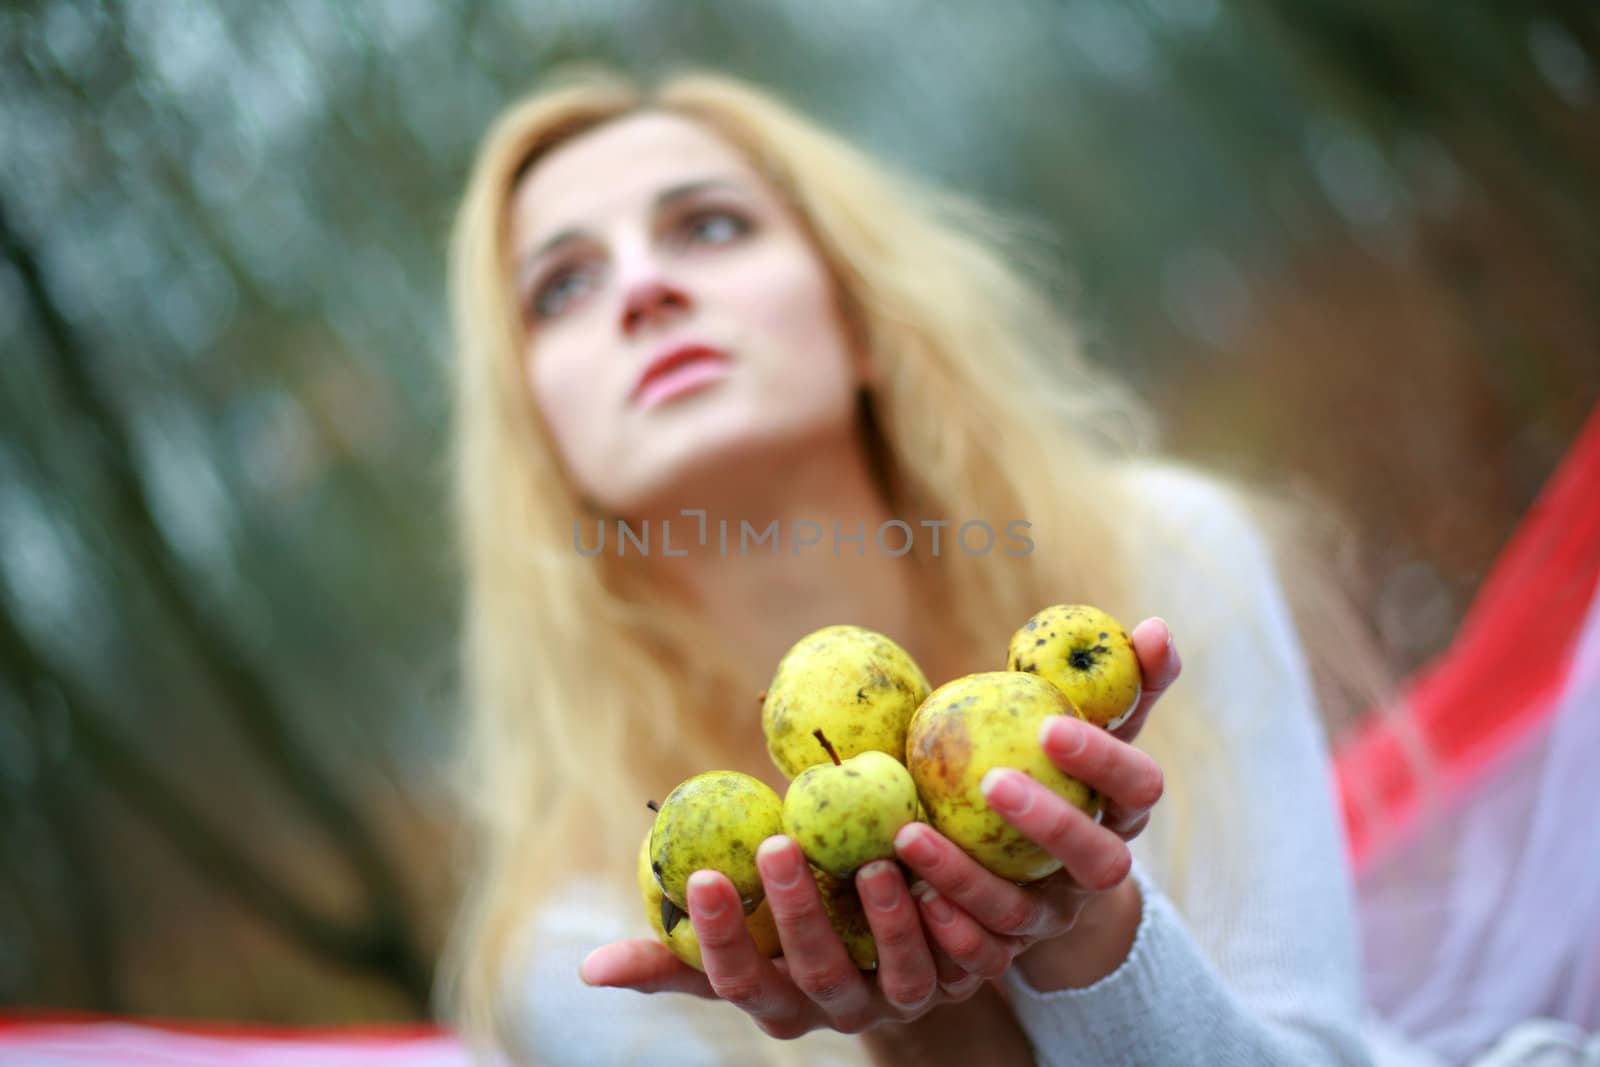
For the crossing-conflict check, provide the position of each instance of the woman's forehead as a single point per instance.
(621, 166)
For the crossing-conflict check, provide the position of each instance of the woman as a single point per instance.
(691, 311)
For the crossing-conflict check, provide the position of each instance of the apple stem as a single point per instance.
(652, 805)
(761, 697)
(817, 733)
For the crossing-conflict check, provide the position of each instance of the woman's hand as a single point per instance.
(963, 927)
(972, 914)
(815, 984)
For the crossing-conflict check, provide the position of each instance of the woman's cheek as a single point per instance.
(572, 411)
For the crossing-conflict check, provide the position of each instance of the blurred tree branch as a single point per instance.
(53, 793)
(386, 945)
(116, 759)
(1388, 73)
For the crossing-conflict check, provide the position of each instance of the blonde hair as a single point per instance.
(983, 408)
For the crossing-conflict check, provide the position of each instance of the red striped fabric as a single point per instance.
(1502, 674)
(73, 1039)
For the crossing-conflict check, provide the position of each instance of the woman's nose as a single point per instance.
(651, 300)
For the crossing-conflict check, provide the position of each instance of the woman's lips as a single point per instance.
(679, 373)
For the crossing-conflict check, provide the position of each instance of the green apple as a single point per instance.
(969, 726)
(716, 821)
(845, 813)
(843, 905)
(1087, 655)
(675, 931)
(854, 684)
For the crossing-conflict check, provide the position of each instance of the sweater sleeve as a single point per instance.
(1259, 964)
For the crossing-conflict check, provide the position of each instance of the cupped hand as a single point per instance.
(961, 927)
(970, 911)
(815, 984)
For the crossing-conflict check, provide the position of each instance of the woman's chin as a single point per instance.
(729, 478)
(708, 480)
(714, 450)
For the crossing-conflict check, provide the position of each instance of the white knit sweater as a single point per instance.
(1259, 964)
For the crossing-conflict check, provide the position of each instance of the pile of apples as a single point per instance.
(849, 719)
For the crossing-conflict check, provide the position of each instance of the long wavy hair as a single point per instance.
(983, 407)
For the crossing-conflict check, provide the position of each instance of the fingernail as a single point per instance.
(881, 884)
(914, 845)
(965, 987)
(1164, 626)
(779, 863)
(938, 909)
(1004, 791)
(703, 895)
(1063, 736)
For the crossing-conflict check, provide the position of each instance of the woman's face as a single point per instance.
(681, 327)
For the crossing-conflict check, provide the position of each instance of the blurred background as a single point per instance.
(1345, 243)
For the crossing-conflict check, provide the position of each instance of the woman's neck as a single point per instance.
(788, 554)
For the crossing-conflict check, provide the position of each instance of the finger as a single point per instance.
(818, 962)
(1160, 666)
(996, 904)
(979, 953)
(906, 976)
(1131, 828)
(735, 968)
(952, 975)
(1096, 858)
(644, 965)
(1130, 779)
(954, 979)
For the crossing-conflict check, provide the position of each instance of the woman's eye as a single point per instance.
(554, 295)
(716, 227)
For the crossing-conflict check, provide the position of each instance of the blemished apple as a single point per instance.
(716, 821)
(969, 726)
(1086, 654)
(681, 938)
(854, 684)
(844, 813)
(849, 918)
